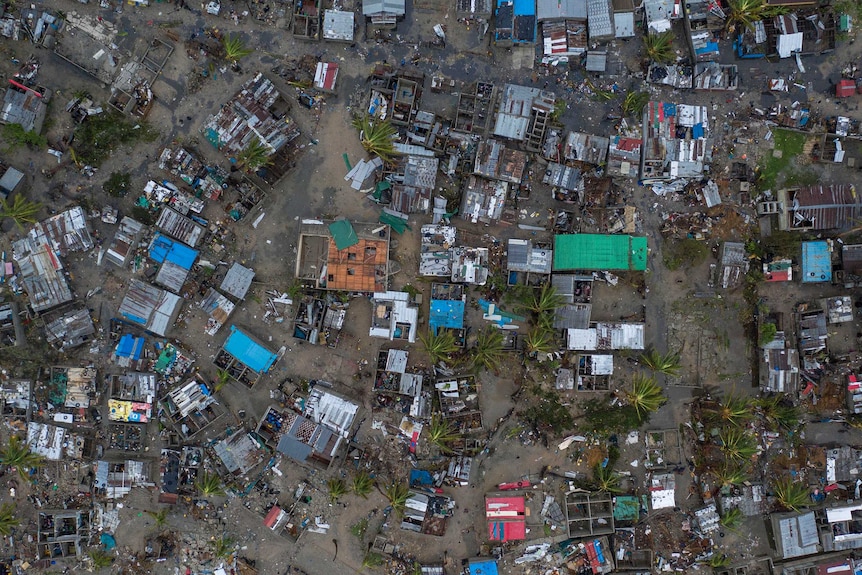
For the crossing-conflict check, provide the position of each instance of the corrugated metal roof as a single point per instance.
(338, 25)
(624, 24)
(237, 281)
(70, 329)
(826, 207)
(149, 307)
(24, 108)
(561, 9)
(596, 61)
(797, 535)
(41, 273)
(599, 21)
(124, 242)
(180, 227)
(371, 7)
(573, 316)
(597, 252)
(513, 116)
(172, 276)
(10, 180)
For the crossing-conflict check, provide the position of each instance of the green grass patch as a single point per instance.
(791, 144)
(687, 253)
(359, 528)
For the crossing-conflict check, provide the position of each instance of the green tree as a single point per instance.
(732, 518)
(210, 485)
(362, 484)
(767, 333)
(100, 558)
(488, 352)
(733, 410)
(337, 489)
(8, 520)
(441, 434)
(16, 453)
(549, 413)
(16, 136)
(222, 379)
(791, 495)
(659, 47)
(20, 210)
(223, 547)
(645, 395)
(665, 363)
(117, 184)
(439, 346)
(376, 136)
(235, 49)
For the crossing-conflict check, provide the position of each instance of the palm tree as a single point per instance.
(439, 346)
(664, 363)
(729, 474)
(210, 485)
(539, 341)
(659, 47)
(100, 558)
(732, 518)
(223, 547)
(20, 210)
(606, 479)
(441, 433)
(734, 410)
(645, 396)
(372, 560)
(737, 444)
(362, 484)
(718, 561)
(8, 519)
(779, 413)
(234, 49)
(160, 517)
(376, 136)
(791, 495)
(489, 349)
(634, 103)
(254, 156)
(397, 494)
(337, 489)
(744, 13)
(17, 454)
(545, 300)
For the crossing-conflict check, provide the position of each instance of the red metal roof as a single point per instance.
(272, 516)
(629, 144)
(507, 530)
(504, 506)
(845, 89)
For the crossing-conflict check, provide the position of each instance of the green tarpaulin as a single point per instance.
(343, 233)
(397, 224)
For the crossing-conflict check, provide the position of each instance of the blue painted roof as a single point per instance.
(164, 249)
(130, 346)
(524, 7)
(483, 567)
(816, 262)
(253, 355)
(446, 313)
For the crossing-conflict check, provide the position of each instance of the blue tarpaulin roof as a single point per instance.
(524, 7)
(446, 313)
(816, 262)
(420, 478)
(130, 346)
(164, 249)
(697, 131)
(253, 355)
(483, 567)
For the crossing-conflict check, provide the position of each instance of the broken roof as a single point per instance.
(124, 242)
(25, 107)
(239, 453)
(90, 43)
(516, 107)
(483, 200)
(606, 336)
(392, 312)
(677, 141)
(65, 232)
(70, 329)
(824, 207)
(237, 281)
(495, 161)
(180, 227)
(149, 307)
(523, 256)
(41, 273)
(258, 112)
(338, 25)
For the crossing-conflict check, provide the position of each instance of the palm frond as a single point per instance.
(362, 484)
(539, 341)
(441, 433)
(376, 136)
(337, 489)
(8, 520)
(645, 395)
(397, 494)
(16, 453)
(659, 47)
(209, 484)
(665, 363)
(234, 48)
(737, 444)
(791, 495)
(732, 518)
(20, 210)
(439, 346)
(606, 479)
(488, 352)
(254, 156)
